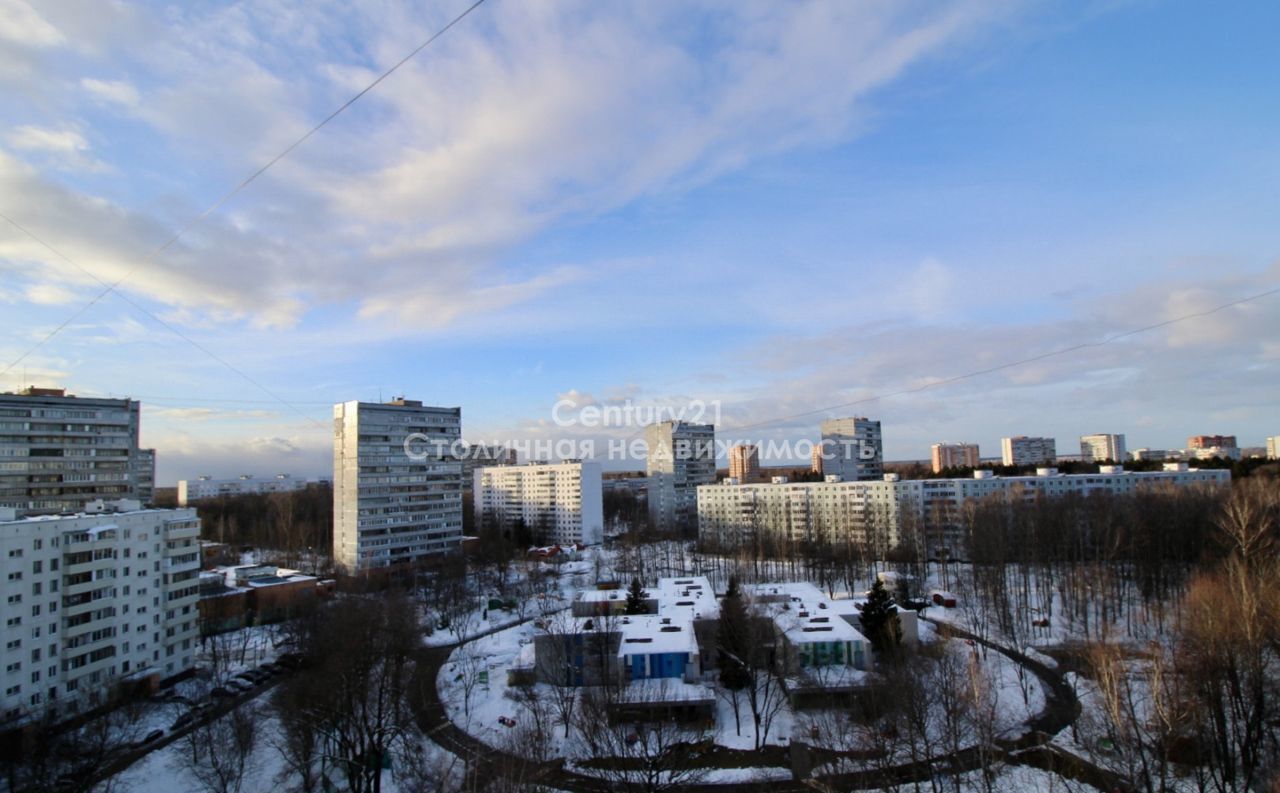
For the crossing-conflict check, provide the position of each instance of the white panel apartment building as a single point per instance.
(1102, 446)
(59, 452)
(681, 457)
(207, 487)
(1023, 450)
(390, 507)
(93, 599)
(561, 502)
(884, 513)
(852, 449)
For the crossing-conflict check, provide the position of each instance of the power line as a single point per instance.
(198, 219)
(1010, 364)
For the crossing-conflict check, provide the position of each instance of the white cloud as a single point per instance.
(60, 141)
(524, 117)
(22, 24)
(119, 92)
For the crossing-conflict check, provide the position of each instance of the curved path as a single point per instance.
(484, 761)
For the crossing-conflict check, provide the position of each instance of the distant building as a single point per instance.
(554, 502)
(95, 599)
(192, 490)
(61, 452)
(1024, 450)
(815, 459)
(1145, 455)
(1273, 447)
(397, 489)
(1211, 442)
(853, 449)
(1210, 452)
(681, 457)
(886, 514)
(1102, 446)
(744, 462)
(478, 455)
(954, 455)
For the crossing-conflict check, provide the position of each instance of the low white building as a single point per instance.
(558, 502)
(95, 599)
(190, 490)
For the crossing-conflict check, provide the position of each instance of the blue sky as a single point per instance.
(778, 207)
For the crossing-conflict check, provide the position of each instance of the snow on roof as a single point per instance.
(687, 596)
(804, 614)
(645, 634)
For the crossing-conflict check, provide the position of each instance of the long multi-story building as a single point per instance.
(1273, 447)
(92, 599)
(397, 486)
(1024, 450)
(954, 455)
(203, 487)
(59, 452)
(681, 456)
(744, 462)
(852, 449)
(882, 515)
(1102, 446)
(555, 502)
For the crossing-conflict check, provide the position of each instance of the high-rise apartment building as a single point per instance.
(1023, 450)
(478, 455)
(1102, 446)
(680, 457)
(1273, 447)
(1211, 442)
(93, 598)
(815, 459)
(397, 486)
(554, 502)
(852, 449)
(744, 463)
(59, 452)
(954, 455)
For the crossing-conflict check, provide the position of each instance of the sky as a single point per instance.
(763, 213)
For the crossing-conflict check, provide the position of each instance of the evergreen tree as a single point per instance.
(635, 598)
(880, 620)
(733, 640)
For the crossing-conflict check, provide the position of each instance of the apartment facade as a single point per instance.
(203, 487)
(953, 455)
(1102, 446)
(893, 512)
(1024, 450)
(744, 462)
(478, 455)
(1211, 442)
(558, 502)
(94, 599)
(681, 457)
(60, 452)
(852, 449)
(1273, 447)
(397, 486)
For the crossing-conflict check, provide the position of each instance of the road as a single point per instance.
(484, 761)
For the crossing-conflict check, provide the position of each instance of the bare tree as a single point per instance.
(217, 755)
(653, 756)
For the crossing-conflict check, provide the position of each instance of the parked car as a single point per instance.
(238, 685)
(154, 735)
(221, 692)
(183, 720)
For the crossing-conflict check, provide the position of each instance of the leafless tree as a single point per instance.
(655, 756)
(217, 755)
